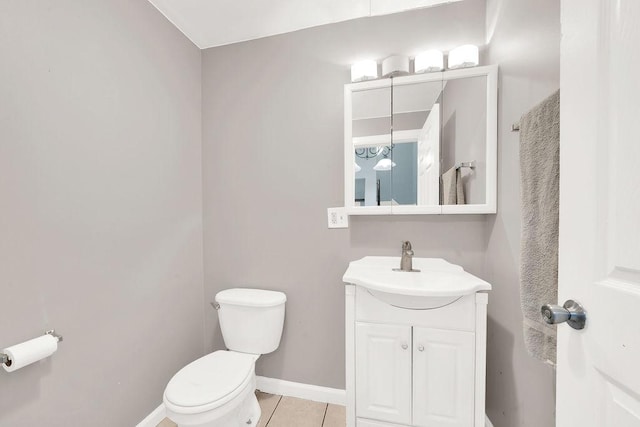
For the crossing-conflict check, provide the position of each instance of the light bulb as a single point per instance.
(429, 61)
(364, 70)
(463, 56)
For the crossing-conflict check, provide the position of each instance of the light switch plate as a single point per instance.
(337, 218)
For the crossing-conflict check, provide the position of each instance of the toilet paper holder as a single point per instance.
(5, 359)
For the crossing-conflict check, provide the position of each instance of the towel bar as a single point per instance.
(515, 127)
(471, 165)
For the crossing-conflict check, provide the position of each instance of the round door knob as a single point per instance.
(553, 314)
(571, 312)
(420, 347)
(405, 346)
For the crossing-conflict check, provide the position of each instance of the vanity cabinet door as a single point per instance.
(443, 378)
(383, 372)
(371, 423)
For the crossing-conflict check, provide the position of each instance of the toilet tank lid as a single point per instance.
(251, 297)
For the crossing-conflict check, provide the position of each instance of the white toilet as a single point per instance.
(218, 390)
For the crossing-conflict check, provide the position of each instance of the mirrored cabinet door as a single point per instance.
(464, 141)
(371, 148)
(468, 179)
(416, 123)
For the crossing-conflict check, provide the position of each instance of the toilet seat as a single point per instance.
(210, 382)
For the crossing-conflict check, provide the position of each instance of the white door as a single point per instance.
(443, 378)
(383, 372)
(598, 376)
(429, 159)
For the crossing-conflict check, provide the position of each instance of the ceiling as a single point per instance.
(209, 23)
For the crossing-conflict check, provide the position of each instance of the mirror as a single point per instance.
(464, 141)
(370, 126)
(422, 143)
(416, 133)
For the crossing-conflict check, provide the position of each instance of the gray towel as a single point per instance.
(452, 189)
(539, 185)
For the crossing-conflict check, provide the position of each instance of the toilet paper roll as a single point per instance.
(21, 355)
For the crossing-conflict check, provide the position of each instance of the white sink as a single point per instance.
(438, 282)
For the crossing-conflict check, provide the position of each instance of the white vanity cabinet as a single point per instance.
(383, 372)
(422, 367)
(443, 377)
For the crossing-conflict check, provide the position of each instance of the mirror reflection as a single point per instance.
(464, 144)
(371, 127)
(416, 134)
(405, 171)
(386, 175)
(372, 177)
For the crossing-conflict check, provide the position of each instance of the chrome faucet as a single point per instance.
(406, 263)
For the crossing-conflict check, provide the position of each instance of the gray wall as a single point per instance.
(277, 103)
(524, 39)
(100, 208)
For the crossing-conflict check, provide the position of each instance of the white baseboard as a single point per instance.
(303, 391)
(154, 418)
(285, 388)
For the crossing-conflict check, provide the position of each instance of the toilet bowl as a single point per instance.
(218, 387)
(218, 390)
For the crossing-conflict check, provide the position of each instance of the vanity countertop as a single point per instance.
(436, 278)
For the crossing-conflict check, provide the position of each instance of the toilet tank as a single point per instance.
(251, 320)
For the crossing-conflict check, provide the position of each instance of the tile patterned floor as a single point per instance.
(283, 411)
(167, 423)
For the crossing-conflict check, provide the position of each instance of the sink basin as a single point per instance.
(438, 282)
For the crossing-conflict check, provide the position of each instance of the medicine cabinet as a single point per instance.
(422, 144)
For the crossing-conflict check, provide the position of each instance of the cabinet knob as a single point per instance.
(405, 346)
(420, 347)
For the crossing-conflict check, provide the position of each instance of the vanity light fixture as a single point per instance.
(463, 56)
(429, 61)
(356, 167)
(364, 70)
(384, 165)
